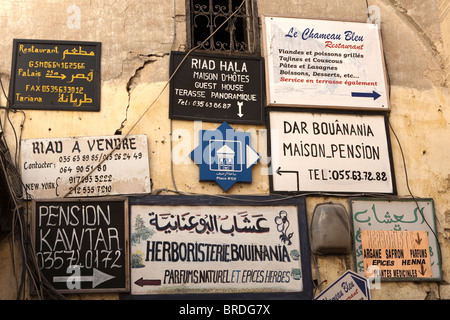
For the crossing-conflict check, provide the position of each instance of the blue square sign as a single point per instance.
(225, 156)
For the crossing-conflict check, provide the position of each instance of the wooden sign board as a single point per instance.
(82, 245)
(396, 254)
(329, 152)
(85, 166)
(216, 88)
(204, 246)
(331, 64)
(55, 75)
(397, 238)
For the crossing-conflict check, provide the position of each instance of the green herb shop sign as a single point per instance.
(205, 245)
(400, 228)
(85, 166)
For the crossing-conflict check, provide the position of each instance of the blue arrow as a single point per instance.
(372, 94)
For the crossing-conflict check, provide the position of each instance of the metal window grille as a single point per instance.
(237, 35)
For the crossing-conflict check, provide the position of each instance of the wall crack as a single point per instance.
(421, 35)
(133, 81)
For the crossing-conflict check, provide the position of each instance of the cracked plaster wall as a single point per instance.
(137, 38)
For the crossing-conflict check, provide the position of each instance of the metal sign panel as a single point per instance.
(350, 286)
(253, 247)
(225, 156)
(55, 75)
(82, 244)
(324, 63)
(329, 152)
(398, 224)
(216, 88)
(85, 166)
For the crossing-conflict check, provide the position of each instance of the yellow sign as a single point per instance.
(396, 254)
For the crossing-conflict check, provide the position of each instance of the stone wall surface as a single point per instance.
(137, 38)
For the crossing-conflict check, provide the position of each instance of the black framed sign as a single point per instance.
(197, 247)
(55, 75)
(216, 88)
(82, 245)
(329, 151)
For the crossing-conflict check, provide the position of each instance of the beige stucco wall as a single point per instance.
(137, 38)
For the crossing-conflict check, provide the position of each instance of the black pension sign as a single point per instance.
(216, 88)
(82, 245)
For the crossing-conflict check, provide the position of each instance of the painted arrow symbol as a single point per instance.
(422, 270)
(252, 156)
(240, 105)
(144, 282)
(62, 76)
(97, 278)
(373, 94)
(279, 171)
(419, 239)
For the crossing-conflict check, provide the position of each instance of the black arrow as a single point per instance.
(279, 171)
(422, 270)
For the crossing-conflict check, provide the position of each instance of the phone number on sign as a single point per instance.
(100, 157)
(90, 258)
(356, 175)
(90, 190)
(204, 104)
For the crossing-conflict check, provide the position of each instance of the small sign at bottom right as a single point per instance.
(396, 254)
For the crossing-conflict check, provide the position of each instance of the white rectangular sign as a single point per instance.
(85, 166)
(329, 152)
(196, 249)
(324, 63)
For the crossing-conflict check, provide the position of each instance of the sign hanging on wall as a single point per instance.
(216, 88)
(202, 245)
(85, 166)
(225, 156)
(82, 245)
(396, 254)
(55, 75)
(324, 63)
(349, 286)
(329, 152)
(395, 239)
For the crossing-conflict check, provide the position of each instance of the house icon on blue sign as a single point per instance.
(225, 156)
